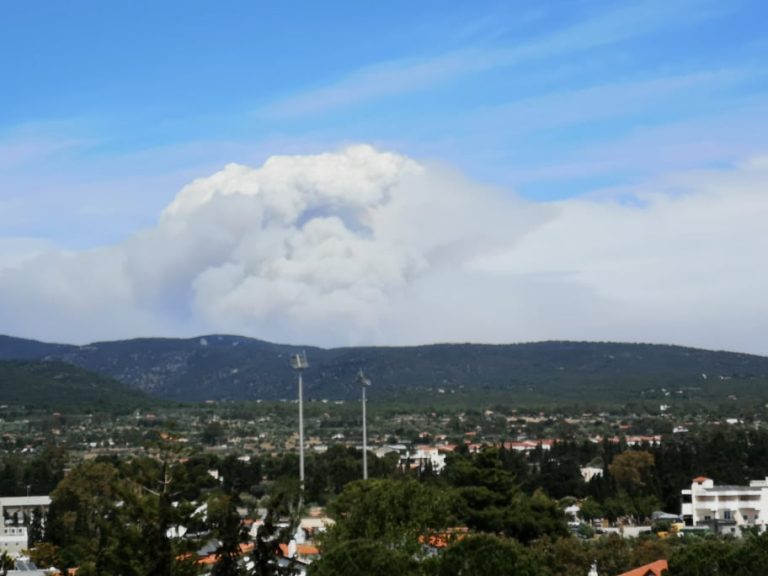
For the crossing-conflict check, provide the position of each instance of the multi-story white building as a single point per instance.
(17, 513)
(15, 509)
(726, 505)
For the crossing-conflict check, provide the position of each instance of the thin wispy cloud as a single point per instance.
(30, 145)
(406, 75)
(624, 99)
(377, 81)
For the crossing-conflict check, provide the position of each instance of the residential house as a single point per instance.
(725, 508)
(589, 472)
(424, 457)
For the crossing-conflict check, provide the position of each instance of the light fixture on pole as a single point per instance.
(299, 363)
(364, 383)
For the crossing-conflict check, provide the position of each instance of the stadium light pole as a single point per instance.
(299, 363)
(364, 383)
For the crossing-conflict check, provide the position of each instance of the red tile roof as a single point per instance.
(301, 550)
(443, 539)
(652, 569)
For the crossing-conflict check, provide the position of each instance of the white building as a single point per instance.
(589, 472)
(423, 457)
(17, 513)
(13, 540)
(727, 508)
(16, 508)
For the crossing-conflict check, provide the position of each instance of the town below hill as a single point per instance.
(224, 367)
(613, 464)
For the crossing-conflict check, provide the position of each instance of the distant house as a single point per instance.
(305, 553)
(389, 449)
(589, 472)
(635, 441)
(631, 441)
(529, 445)
(424, 457)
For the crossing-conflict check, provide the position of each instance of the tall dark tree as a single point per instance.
(267, 553)
(35, 528)
(228, 528)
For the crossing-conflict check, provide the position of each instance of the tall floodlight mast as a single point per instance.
(364, 383)
(299, 363)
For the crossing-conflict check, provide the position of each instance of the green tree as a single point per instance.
(362, 556)
(160, 557)
(487, 498)
(35, 528)
(393, 512)
(44, 555)
(105, 522)
(632, 469)
(590, 509)
(703, 557)
(228, 528)
(213, 433)
(485, 554)
(6, 563)
(266, 553)
(85, 516)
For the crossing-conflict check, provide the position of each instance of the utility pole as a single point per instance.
(299, 363)
(364, 383)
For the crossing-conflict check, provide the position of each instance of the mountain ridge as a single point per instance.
(231, 367)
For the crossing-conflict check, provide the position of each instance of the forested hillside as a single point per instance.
(57, 385)
(235, 367)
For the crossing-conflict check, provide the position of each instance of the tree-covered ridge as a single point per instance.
(55, 385)
(239, 368)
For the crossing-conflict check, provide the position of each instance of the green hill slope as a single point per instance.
(56, 385)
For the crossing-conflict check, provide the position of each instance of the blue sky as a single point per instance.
(108, 109)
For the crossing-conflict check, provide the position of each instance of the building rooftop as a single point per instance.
(732, 488)
(652, 569)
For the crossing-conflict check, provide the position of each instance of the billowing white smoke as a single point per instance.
(362, 246)
(308, 248)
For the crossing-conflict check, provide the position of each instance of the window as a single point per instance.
(727, 515)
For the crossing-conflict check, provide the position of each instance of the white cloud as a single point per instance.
(16, 251)
(361, 246)
(676, 262)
